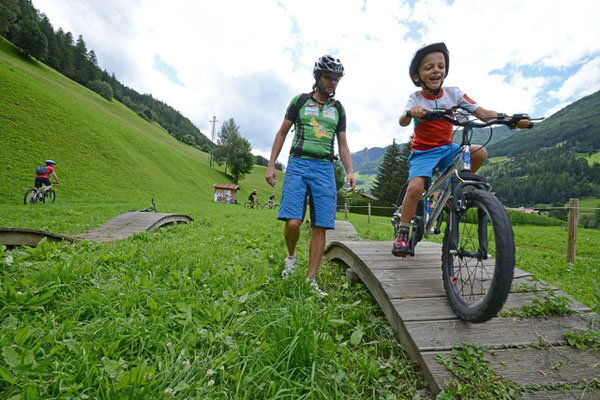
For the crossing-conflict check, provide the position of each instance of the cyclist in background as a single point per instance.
(432, 144)
(271, 200)
(252, 198)
(42, 174)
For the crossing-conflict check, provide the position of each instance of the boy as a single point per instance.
(432, 143)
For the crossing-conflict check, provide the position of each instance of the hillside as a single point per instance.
(103, 149)
(575, 126)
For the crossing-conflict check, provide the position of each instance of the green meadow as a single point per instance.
(189, 311)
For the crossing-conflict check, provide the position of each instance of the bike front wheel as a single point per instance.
(49, 196)
(30, 197)
(478, 257)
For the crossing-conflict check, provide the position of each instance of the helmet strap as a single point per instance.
(435, 92)
(318, 87)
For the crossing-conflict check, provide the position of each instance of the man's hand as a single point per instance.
(271, 176)
(351, 181)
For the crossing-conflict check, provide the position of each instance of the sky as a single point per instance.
(246, 59)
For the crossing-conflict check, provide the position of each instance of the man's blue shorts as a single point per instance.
(423, 162)
(313, 179)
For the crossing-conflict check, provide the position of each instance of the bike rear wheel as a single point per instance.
(49, 196)
(476, 284)
(247, 204)
(30, 197)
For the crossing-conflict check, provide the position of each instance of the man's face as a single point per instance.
(432, 70)
(329, 81)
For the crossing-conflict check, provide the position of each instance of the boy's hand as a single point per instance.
(523, 124)
(417, 112)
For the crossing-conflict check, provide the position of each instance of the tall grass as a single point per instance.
(196, 311)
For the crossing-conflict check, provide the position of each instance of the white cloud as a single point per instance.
(246, 60)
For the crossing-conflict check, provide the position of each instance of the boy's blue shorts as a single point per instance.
(316, 179)
(423, 162)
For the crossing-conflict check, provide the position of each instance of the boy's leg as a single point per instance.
(478, 157)
(401, 246)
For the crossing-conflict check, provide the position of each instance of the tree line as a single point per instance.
(32, 31)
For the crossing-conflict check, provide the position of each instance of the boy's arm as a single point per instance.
(55, 177)
(484, 113)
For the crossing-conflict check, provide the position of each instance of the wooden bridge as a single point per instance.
(529, 351)
(120, 227)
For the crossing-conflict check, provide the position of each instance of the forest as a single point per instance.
(32, 31)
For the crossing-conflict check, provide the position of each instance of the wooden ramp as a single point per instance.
(531, 351)
(125, 225)
(120, 227)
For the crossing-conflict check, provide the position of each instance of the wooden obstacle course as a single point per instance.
(120, 227)
(531, 351)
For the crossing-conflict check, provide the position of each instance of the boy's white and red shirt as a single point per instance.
(432, 134)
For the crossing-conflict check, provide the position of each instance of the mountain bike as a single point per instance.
(35, 195)
(478, 252)
(257, 204)
(147, 209)
(272, 205)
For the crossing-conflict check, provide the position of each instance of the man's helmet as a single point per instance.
(422, 52)
(328, 64)
(50, 162)
(254, 191)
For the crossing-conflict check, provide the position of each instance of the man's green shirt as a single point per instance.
(316, 126)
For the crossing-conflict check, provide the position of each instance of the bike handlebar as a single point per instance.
(502, 119)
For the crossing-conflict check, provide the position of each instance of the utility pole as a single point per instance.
(212, 139)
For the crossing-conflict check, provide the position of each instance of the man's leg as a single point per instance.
(317, 247)
(291, 233)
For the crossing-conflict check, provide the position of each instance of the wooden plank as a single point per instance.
(28, 237)
(443, 335)
(529, 366)
(438, 308)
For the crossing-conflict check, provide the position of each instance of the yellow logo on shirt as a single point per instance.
(318, 128)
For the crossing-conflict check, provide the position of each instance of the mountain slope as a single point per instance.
(576, 126)
(104, 150)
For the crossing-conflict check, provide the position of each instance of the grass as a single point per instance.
(99, 146)
(129, 320)
(592, 158)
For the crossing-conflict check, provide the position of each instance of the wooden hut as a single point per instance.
(225, 193)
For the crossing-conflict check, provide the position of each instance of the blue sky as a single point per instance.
(246, 60)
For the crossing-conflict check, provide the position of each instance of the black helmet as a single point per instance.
(50, 162)
(328, 64)
(422, 52)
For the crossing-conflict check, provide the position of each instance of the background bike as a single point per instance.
(35, 195)
(257, 204)
(478, 252)
(274, 206)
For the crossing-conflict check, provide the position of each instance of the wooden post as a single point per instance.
(572, 230)
(345, 210)
(369, 218)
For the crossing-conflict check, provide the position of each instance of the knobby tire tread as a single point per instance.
(504, 262)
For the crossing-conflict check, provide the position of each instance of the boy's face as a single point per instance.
(432, 70)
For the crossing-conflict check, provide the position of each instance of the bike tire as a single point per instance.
(276, 207)
(247, 204)
(29, 197)
(49, 196)
(258, 206)
(477, 286)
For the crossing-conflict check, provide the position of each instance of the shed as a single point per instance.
(225, 193)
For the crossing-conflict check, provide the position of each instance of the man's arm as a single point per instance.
(346, 159)
(55, 177)
(271, 175)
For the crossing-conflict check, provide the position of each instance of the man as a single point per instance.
(309, 177)
(42, 174)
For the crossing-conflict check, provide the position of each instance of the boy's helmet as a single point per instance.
(328, 64)
(422, 52)
(50, 162)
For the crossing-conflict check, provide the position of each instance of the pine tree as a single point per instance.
(393, 173)
(30, 39)
(233, 150)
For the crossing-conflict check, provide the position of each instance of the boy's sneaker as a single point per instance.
(401, 246)
(289, 267)
(313, 285)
